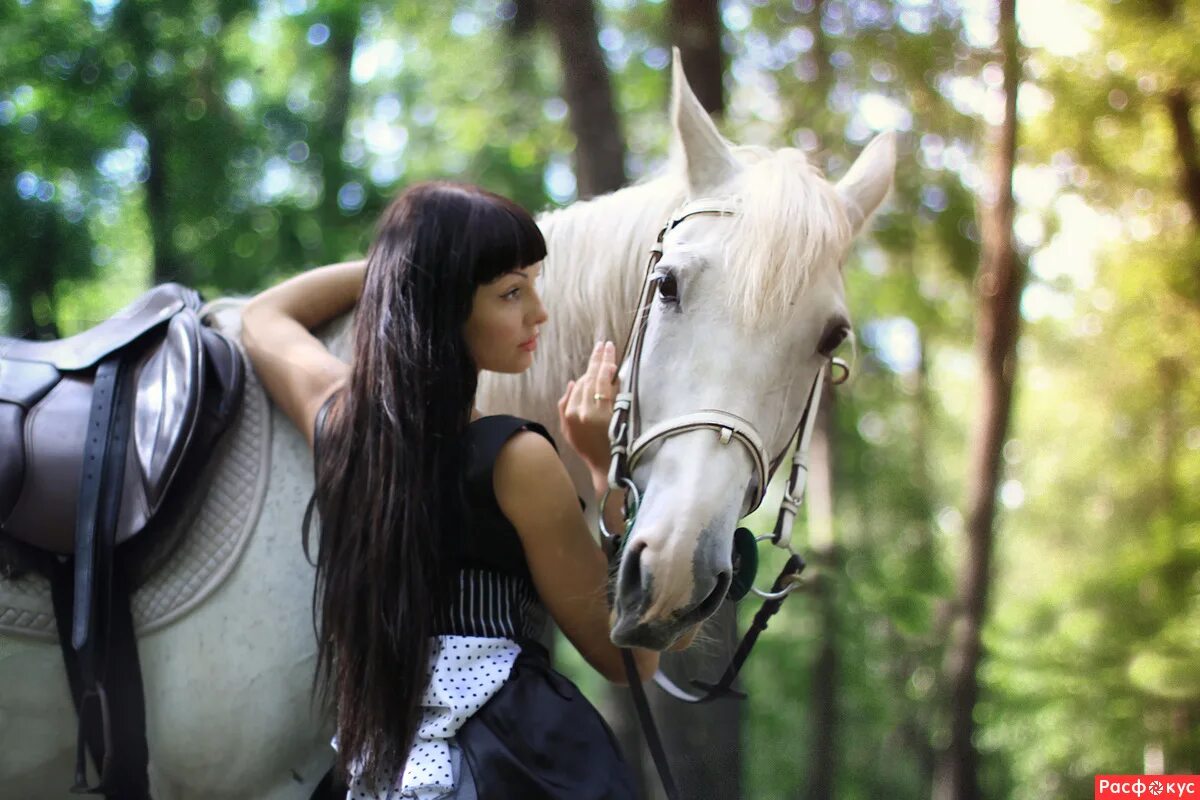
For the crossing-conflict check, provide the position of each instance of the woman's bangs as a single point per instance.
(507, 238)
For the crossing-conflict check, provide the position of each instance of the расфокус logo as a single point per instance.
(1134, 787)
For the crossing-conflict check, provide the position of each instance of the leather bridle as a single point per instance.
(630, 443)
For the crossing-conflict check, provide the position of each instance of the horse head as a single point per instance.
(740, 312)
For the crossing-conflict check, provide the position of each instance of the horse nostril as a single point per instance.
(724, 581)
(709, 604)
(631, 583)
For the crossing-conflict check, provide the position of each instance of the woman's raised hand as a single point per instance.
(586, 407)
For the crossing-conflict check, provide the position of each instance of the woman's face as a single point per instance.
(502, 331)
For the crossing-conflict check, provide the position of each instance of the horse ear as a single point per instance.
(863, 188)
(707, 157)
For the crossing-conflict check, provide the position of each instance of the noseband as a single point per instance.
(630, 443)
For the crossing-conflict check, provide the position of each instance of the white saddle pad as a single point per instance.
(191, 560)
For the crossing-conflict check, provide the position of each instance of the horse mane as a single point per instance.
(791, 224)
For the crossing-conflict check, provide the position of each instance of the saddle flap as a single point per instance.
(170, 387)
(43, 511)
(84, 350)
(22, 384)
(25, 382)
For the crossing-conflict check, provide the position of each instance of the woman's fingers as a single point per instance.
(594, 362)
(586, 407)
(562, 401)
(585, 383)
(607, 382)
(591, 395)
(603, 387)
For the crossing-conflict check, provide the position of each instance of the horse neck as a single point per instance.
(597, 255)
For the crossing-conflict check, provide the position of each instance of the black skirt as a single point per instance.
(539, 738)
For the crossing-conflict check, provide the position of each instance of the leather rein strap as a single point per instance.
(629, 444)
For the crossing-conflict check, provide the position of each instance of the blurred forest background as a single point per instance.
(1008, 599)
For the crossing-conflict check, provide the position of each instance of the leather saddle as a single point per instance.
(98, 432)
(47, 391)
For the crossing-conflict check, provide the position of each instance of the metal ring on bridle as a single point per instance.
(839, 371)
(629, 486)
(782, 593)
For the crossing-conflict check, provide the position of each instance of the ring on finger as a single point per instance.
(598, 397)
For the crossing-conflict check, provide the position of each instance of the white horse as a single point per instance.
(754, 297)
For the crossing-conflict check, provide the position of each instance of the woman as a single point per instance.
(446, 535)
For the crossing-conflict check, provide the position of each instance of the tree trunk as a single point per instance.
(167, 265)
(600, 146)
(1179, 107)
(821, 47)
(696, 31)
(1171, 372)
(999, 285)
(146, 109)
(30, 260)
(822, 780)
(31, 284)
(343, 28)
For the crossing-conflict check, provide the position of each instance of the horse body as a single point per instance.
(227, 687)
(228, 709)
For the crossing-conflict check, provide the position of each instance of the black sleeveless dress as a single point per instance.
(538, 737)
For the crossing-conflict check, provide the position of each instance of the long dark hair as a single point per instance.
(390, 461)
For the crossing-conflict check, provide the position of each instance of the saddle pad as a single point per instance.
(190, 560)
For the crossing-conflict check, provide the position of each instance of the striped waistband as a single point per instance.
(493, 604)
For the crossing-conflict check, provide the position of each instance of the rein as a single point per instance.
(630, 443)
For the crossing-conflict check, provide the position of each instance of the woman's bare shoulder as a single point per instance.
(530, 480)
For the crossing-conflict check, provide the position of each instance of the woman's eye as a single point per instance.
(832, 339)
(512, 294)
(668, 288)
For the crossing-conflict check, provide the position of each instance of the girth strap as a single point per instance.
(93, 594)
(110, 703)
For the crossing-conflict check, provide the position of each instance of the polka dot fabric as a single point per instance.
(466, 671)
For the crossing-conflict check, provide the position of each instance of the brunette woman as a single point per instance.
(446, 536)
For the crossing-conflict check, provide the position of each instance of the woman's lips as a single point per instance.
(529, 345)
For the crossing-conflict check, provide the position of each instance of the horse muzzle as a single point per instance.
(655, 603)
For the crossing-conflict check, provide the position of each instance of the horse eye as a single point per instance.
(668, 288)
(832, 339)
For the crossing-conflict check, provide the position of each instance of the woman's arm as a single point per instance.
(297, 371)
(569, 571)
